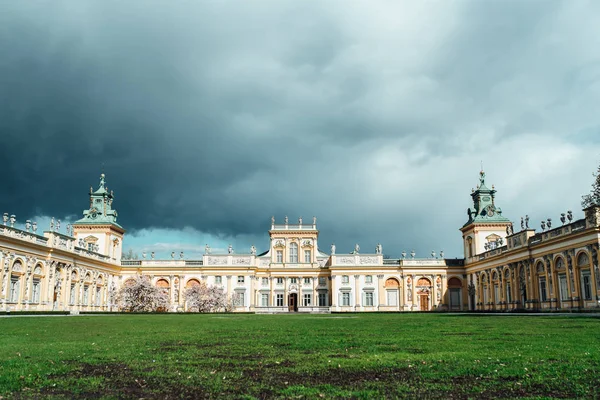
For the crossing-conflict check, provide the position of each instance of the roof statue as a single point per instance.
(332, 248)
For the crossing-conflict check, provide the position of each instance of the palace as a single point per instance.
(503, 269)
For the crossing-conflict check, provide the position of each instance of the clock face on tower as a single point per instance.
(490, 210)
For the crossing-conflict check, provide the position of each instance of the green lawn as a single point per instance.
(311, 356)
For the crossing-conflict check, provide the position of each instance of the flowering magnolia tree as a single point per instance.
(138, 294)
(203, 298)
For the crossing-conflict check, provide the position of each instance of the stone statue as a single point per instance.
(173, 255)
(378, 249)
(356, 248)
(253, 250)
(412, 254)
(207, 249)
(181, 255)
(230, 249)
(314, 220)
(273, 220)
(57, 225)
(332, 248)
(152, 255)
(285, 220)
(52, 224)
(527, 221)
(522, 224)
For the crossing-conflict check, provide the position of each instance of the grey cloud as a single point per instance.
(218, 116)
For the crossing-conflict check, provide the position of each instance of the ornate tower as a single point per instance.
(98, 230)
(486, 227)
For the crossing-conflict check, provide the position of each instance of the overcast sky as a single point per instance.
(209, 117)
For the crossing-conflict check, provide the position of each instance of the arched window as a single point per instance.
(192, 282)
(583, 260)
(293, 253)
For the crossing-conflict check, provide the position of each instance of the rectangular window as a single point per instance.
(86, 294)
(369, 279)
(543, 294)
(279, 298)
(564, 293)
(35, 291)
(279, 256)
(392, 298)
(307, 256)
(293, 280)
(280, 281)
(14, 289)
(240, 279)
(90, 246)
(586, 284)
(322, 280)
(508, 293)
(307, 281)
(240, 299)
(496, 294)
(345, 279)
(98, 296)
(345, 299)
(264, 299)
(369, 299)
(265, 281)
(72, 295)
(306, 300)
(293, 253)
(322, 299)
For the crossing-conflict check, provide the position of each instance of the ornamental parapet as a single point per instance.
(357, 259)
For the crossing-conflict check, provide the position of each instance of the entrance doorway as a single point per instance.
(424, 301)
(293, 302)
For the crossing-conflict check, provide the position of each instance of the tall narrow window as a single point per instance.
(307, 256)
(98, 296)
(279, 298)
(508, 294)
(35, 291)
(322, 299)
(72, 295)
(345, 299)
(265, 300)
(586, 280)
(280, 281)
(543, 294)
(293, 253)
(279, 256)
(369, 299)
(14, 289)
(86, 294)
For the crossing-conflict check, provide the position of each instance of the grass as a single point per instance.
(302, 356)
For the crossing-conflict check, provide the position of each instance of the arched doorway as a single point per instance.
(424, 294)
(293, 302)
(455, 292)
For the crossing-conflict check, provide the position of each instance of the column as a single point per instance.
(592, 252)
(357, 295)
(315, 294)
(334, 295)
(252, 295)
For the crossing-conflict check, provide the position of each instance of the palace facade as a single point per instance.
(503, 269)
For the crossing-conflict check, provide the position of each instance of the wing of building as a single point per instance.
(503, 268)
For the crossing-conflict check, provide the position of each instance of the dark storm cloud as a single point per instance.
(217, 116)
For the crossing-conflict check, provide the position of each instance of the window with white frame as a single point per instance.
(218, 280)
(345, 298)
(280, 281)
(240, 279)
(14, 289)
(279, 299)
(307, 281)
(86, 294)
(345, 279)
(265, 281)
(369, 279)
(293, 253)
(307, 256)
(586, 284)
(240, 299)
(98, 295)
(264, 299)
(279, 255)
(293, 280)
(306, 298)
(35, 291)
(543, 292)
(72, 295)
(369, 299)
(322, 299)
